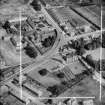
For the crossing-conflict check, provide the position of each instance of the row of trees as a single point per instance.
(81, 45)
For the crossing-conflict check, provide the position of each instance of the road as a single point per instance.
(45, 57)
(59, 41)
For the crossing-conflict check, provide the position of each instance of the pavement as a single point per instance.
(41, 60)
(59, 41)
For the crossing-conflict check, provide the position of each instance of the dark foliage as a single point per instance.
(30, 51)
(53, 89)
(103, 40)
(48, 41)
(43, 72)
(49, 101)
(36, 5)
(60, 75)
(6, 25)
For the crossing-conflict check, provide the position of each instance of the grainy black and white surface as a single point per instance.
(52, 52)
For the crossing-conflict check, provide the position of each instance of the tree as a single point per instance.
(80, 51)
(103, 40)
(36, 5)
(53, 89)
(48, 41)
(80, 103)
(90, 61)
(6, 25)
(43, 72)
(50, 101)
(30, 51)
(3, 1)
(60, 75)
(1, 103)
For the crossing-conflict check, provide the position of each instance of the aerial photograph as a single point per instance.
(52, 52)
